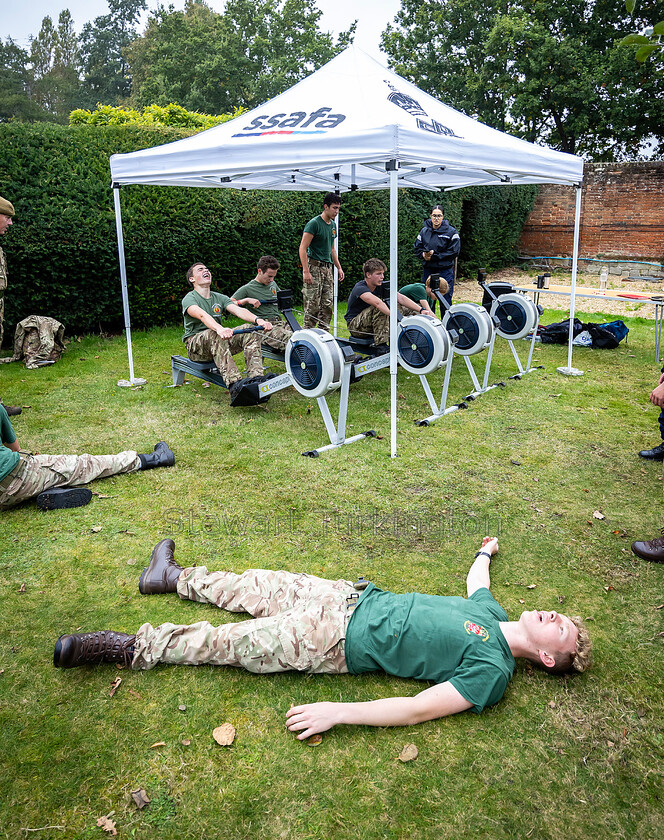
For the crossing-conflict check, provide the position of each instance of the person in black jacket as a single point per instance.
(437, 245)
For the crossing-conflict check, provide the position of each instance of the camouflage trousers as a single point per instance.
(371, 323)
(206, 346)
(2, 314)
(35, 473)
(318, 296)
(299, 624)
(278, 336)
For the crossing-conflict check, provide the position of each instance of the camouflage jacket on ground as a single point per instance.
(38, 339)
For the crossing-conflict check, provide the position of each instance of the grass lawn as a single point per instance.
(575, 757)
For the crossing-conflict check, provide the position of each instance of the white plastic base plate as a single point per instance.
(570, 371)
(125, 383)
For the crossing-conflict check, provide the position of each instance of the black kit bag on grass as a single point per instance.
(558, 333)
(607, 336)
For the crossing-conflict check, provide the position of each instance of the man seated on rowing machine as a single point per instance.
(261, 294)
(205, 337)
(422, 294)
(367, 313)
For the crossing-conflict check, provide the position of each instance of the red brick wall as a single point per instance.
(622, 214)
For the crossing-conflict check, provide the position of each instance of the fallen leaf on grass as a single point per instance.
(408, 753)
(206, 384)
(22, 589)
(182, 708)
(141, 798)
(157, 744)
(315, 740)
(185, 742)
(552, 704)
(224, 735)
(114, 686)
(660, 607)
(95, 529)
(107, 825)
(132, 562)
(531, 586)
(521, 601)
(101, 495)
(608, 588)
(598, 515)
(135, 693)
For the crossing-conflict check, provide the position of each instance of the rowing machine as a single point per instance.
(477, 332)
(518, 316)
(318, 364)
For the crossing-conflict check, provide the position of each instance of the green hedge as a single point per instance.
(62, 250)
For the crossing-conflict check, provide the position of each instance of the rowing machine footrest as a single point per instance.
(311, 453)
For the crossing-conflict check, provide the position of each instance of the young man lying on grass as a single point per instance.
(466, 646)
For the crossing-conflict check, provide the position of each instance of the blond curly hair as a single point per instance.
(580, 660)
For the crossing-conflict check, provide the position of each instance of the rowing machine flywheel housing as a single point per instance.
(474, 325)
(423, 344)
(517, 314)
(315, 362)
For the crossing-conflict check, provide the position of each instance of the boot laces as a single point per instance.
(658, 542)
(107, 645)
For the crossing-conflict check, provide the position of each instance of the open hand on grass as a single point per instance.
(311, 718)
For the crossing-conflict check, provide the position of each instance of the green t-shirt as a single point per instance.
(415, 292)
(8, 459)
(320, 247)
(433, 637)
(268, 294)
(215, 306)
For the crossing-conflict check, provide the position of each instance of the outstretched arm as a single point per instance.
(478, 576)
(435, 702)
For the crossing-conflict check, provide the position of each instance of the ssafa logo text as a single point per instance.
(476, 629)
(297, 122)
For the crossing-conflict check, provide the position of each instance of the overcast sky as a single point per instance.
(22, 19)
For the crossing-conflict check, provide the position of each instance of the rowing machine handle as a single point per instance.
(248, 330)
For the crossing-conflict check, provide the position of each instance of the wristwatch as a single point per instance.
(481, 551)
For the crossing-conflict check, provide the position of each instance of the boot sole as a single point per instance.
(59, 498)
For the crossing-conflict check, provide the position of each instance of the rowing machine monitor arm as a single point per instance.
(285, 304)
(481, 279)
(434, 285)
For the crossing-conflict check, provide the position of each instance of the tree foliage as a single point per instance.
(106, 73)
(550, 71)
(650, 42)
(213, 62)
(16, 84)
(54, 60)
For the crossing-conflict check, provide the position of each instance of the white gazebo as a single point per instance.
(352, 125)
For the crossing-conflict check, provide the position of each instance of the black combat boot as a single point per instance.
(90, 648)
(654, 454)
(12, 410)
(162, 456)
(162, 572)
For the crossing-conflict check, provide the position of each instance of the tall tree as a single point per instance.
(16, 81)
(216, 62)
(54, 58)
(105, 69)
(549, 71)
